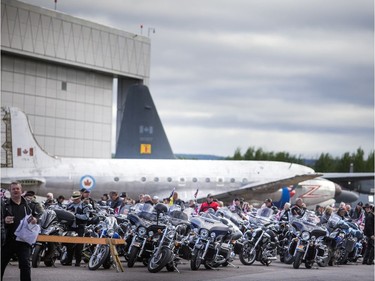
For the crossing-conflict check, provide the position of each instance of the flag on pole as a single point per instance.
(170, 196)
(196, 193)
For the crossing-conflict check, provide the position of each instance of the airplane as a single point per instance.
(253, 181)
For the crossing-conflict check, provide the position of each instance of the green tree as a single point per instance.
(358, 160)
(343, 164)
(370, 163)
(325, 163)
(249, 154)
(237, 154)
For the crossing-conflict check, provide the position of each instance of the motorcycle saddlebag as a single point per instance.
(238, 246)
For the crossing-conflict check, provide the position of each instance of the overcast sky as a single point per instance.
(294, 76)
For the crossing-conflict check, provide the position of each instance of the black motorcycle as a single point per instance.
(260, 241)
(213, 245)
(309, 246)
(52, 222)
(146, 229)
(166, 251)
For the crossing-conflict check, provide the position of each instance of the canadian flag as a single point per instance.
(25, 151)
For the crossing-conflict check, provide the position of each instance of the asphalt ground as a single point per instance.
(256, 272)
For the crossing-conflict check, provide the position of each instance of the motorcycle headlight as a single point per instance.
(305, 235)
(142, 231)
(110, 232)
(204, 232)
(150, 233)
(213, 235)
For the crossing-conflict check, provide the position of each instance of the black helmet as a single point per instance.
(161, 208)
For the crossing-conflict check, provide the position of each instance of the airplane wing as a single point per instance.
(266, 188)
(359, 182)
(348, 176)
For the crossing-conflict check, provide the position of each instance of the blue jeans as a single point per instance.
(23, 252)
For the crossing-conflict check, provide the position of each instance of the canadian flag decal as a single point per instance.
(25, 151)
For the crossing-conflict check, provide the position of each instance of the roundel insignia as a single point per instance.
(87, 182)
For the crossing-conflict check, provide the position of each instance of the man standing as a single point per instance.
(14, 210)
(81, 211)
(368, 231)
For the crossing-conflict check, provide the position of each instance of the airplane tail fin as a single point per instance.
(141, 134)
(19, 147)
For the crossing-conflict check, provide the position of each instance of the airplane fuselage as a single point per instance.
(158, 177)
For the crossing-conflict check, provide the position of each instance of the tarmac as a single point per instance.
(238, 272)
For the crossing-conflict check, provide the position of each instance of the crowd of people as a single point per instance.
(81, 205)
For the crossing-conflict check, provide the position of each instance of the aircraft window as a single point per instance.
(116, 179)
(63, 85)
(169, 179)
(182, 180)
(195, 179)
(220, 180)
(156, 179)
(232, 180)
(244, 180)
(207, 179)
(143, 179)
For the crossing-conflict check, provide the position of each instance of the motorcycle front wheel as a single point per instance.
(99, 257)
(50, 255)
(132, 258)
(248, 254)
(36, 256)
(196, 259)
(157, 262)
(297, 260)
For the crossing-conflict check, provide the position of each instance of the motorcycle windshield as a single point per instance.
(176, 213)
(264, 213)
(147, 212)
(233, 218)
(310, 218)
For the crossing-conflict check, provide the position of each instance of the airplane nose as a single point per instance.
(345, 195)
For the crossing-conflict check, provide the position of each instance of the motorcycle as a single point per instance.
(165, 253)
(286, 233)
(309, 246)
(145, 234)
(346, 244)
(213, 245)
(260, 242)
(101, 255)
(52, 222)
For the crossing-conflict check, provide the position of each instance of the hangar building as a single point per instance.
(60, 69)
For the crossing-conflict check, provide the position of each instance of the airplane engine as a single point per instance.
(316, 191)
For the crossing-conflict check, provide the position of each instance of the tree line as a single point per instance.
(356, 162)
